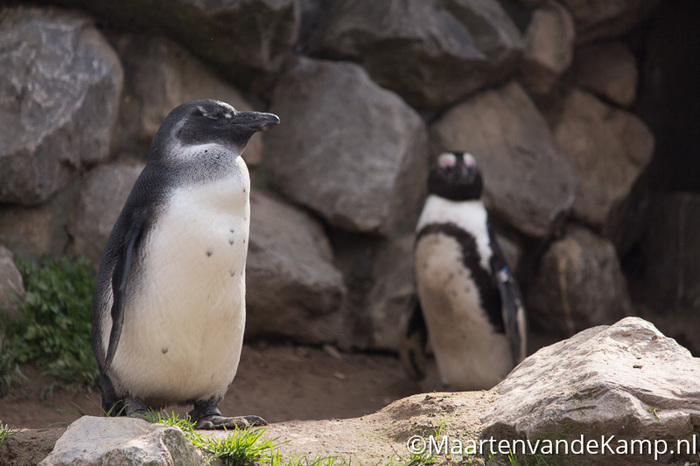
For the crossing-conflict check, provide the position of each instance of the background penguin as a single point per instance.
(169, 309)
(468, 302)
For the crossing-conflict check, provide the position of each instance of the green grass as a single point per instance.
(55, 330)
(6, 432)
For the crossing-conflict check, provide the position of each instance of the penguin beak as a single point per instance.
(255, 121)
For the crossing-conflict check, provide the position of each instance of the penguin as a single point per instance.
(467, 303)
(169, 308)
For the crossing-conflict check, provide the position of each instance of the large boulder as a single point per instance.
(11, 286)
(613, 386)
(351, 151)
(609, 70)
(293, 291)
(381, 284)
(431, 53)
(33, 232)
(246, 40)
(668, 289)
(609, 148)
(607, 18)
(103, 192)
(549, 48)
(122, 440)
(578, 284)
(528, 181)
(159, 75)
(59, 92)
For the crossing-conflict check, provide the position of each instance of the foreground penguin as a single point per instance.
(169, 309)
(468, 303)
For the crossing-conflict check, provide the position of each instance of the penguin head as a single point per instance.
(208, 121)
(456, 177)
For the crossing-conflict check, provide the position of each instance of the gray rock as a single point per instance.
(549, 48)
(392, 289)
(627, 380)
(528, 181)
(32, 232)
(431, 53)
(609, 148)
(617, 17)
(58, 101)
(578, 284)
(115, 441)
(349, 150)
(293, 289)
(609, 70)
(245, 40)
(669, 285)
(159, 75)
(11, 286)
(103, 193)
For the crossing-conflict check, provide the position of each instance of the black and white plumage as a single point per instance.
(169, 309)
(468, 303)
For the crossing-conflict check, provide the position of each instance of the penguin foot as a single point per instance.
(135, 407)
(206, 415)
(220, 422)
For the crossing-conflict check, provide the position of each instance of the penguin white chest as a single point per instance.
(185, 310)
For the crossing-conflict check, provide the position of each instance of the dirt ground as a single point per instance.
(277, 382)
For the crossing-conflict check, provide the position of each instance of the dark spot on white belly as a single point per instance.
(231, 240)
(232, 272)
(209, 252)
(164, 350)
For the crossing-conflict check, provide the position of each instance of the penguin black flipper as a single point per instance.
(413, 336)
(512, 308)
(120, 278)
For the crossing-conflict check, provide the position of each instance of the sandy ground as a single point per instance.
(279, 383)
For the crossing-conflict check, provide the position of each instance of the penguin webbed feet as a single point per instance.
(206, 415)
(214, 422)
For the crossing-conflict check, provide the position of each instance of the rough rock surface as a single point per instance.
(528, 181)
(11, 285)
(159, 75)
(103, 193)
(431, 53)
(32, 232)
(393, 287)
(246, 54)
(579, 284)
(609, 148)
(609, 70)
(669, 289)
(607, 18)
(627, 380)
(58, 101)
(111, 441)
(549, 48)
(351, 151)
(293, 289)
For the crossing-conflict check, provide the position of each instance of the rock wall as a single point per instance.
(565, 107)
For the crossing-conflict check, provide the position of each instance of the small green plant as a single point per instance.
(243, 446)
(10, 374)
(55, 330)
(6, 432)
